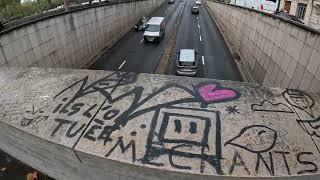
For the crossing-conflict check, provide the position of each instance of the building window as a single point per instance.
(272, 1)
(301, 10)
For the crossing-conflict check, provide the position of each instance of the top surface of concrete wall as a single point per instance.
(188, 125)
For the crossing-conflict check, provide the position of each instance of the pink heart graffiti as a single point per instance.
(212, 93)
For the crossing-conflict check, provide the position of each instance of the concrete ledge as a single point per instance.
(82, 124)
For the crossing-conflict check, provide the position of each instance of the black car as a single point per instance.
(141, 24)
(1, 26)
(289, 16)
(195, 10)
(170, 1)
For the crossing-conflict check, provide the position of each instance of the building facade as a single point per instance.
(307, 10)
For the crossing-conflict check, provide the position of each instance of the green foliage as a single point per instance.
(11, 10)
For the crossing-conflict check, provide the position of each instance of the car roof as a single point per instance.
(187, 55)
(156, 20)
(289, 16)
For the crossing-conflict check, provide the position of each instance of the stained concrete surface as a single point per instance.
(129, 125)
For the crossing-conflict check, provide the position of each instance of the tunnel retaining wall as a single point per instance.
(275, 52)
(70, 40)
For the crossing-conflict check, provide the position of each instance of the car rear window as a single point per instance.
(183, 63)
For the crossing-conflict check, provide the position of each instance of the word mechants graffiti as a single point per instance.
(186, 127)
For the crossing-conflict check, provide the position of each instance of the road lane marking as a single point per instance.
(122, 64)
(141, 40)
(198, 25)
(200, 38)
(202, 60)
(165, 56)
(197, 17)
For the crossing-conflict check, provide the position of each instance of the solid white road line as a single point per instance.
(122, 64)
(141, 40)
(200, 38)
(203, 60)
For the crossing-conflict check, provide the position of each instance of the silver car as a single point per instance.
(187, 63)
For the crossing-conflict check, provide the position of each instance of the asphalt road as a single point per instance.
(197, 32)
(132, 54)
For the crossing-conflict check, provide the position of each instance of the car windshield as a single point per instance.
(153, 28)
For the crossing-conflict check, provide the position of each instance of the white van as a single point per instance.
(155, 30)
(269, 6)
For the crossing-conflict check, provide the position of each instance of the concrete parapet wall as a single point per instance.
(274, 51)
(82, 124)
(71, 40)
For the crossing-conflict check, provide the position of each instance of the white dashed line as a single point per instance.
(141, 40)
(197, 17)
(122, 64)
(199, 30)
(203, 60)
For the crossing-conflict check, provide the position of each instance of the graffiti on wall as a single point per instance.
(34, 115)
(302, 104)
(183, 127)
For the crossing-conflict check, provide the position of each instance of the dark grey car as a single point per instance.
(288, 16)
(141, 24)
(195, 10)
